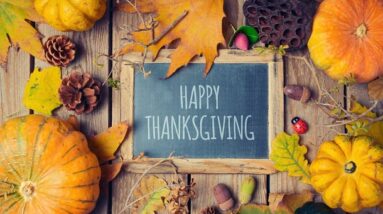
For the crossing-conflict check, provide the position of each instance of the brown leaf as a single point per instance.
(199, 32)
(105, 144)
(289, 202)
(110, 171)
(375, 89)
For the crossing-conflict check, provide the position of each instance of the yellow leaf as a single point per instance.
(154, 190)
(41, 92)
(199, 32)
(13, 27)
(364, 127)
(279, 203)
(288, 155)
(105, 144)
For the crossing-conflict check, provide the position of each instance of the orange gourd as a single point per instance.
(347, 39)
(46, 167)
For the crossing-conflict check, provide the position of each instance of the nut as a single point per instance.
(297, 92)
(223, 197)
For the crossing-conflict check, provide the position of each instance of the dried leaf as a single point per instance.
(199, 32)
(288, 155)
(279, 204)
(105, 144)
(375, 89)
(14, 30)
(110, 171)
(41, 91)
(289, 202)
(364, 127)
(153, 190)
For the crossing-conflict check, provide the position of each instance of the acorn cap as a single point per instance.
(250, 32)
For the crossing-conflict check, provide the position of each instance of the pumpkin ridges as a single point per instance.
(46, 139)
(350, 196)
(370, 192)
(343, 53)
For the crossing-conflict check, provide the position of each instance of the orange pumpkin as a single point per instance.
(347, 39)
(46, 167)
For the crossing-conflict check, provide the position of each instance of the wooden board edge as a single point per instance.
(276, 100)
(225, 56)
(220, 166)
(203, 166)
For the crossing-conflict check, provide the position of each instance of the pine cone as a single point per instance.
(59, 50)
(209, 210)
(80, 92)
(281, 22)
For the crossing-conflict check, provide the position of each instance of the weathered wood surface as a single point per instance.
(105, 38)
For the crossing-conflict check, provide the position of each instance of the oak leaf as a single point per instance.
(288, 155)
(153, 190)
(14, 30)
(41, 91)
(110, 171)
(199, 32)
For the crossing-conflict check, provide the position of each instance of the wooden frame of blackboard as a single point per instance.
(210, 166)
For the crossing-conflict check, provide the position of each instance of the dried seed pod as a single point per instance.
(223, 197)
(297, 92)
(247, 190)
(281, 22)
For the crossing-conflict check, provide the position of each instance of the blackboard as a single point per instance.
(221, 123)
(224, 115)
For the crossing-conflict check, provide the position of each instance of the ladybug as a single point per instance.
(300, 126)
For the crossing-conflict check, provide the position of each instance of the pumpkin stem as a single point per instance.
(350, 167)
(27, 190)
(361, 31)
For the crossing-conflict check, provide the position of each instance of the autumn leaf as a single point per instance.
(199, 32)
(110, 171)
(41, 91)
(279, 204)
(375, 89)
(153, 190)
(364, 127)
(288, 155)
(14, 30)
(105, 144)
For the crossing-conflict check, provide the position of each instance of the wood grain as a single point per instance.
(297, 72)
(12, 82)
(90, 45)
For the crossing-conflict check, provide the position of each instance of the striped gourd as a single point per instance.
(46, 167)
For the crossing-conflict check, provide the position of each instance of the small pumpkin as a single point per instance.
(46, 167)
(71, 15)
(348, 172)
(347, 40)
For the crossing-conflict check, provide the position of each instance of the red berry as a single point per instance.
(300, 126)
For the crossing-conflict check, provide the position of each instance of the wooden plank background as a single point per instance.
(105, 38)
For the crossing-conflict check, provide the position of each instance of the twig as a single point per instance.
(168, 29)
(143, 175)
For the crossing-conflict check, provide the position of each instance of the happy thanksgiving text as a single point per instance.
(206, 127)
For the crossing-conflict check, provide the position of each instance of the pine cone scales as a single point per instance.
(80, 92)
(59, 50)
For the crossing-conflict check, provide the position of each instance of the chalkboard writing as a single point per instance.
(224, 115)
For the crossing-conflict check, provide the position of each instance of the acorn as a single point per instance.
(241, 42)
(297, 92)
(247, 190)
(223, 197)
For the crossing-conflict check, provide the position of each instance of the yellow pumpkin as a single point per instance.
(348, 172)
(71, 15)
(46, 167)
(347, 39)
